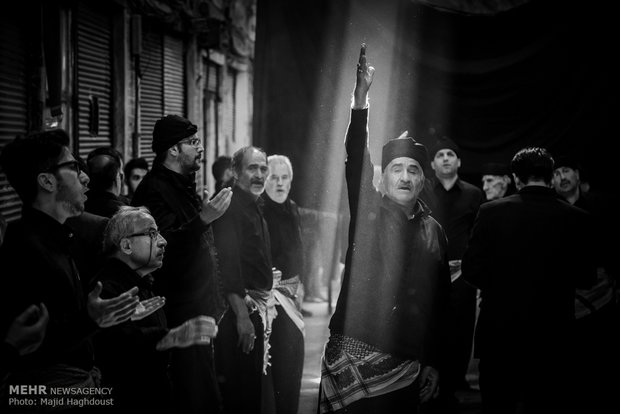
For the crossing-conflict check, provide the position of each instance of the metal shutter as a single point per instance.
(174, 76)
(13, 100)
(94, 77)
(151, 92)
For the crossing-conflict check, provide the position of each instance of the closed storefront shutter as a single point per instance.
(162, 86)
(94, 78)
(174, 76)
(13, 101)
(151, 92)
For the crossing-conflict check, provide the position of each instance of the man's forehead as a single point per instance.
(279, 167)
(67, 155)
(255, 157)
(404, 161)
(443, 151)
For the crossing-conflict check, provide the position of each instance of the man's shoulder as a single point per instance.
(154, 184)
(469, 187)
(86, 223)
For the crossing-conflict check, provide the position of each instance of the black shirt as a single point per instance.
(456, 210)
(243, 245)
(284, 225)
(188, 278)
(37, 266)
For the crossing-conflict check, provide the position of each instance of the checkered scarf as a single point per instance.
(352, 370)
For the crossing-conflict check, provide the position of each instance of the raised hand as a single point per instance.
(213, 209)
(110, 312)
(363, 80)
(147, 307)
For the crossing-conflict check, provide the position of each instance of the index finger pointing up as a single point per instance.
(363, 54)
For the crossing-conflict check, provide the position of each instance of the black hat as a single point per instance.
(495, 168)
(404, 147)
(169, 130)
(444, 143)
(566, 161)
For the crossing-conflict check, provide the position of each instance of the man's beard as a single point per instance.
(69, 200)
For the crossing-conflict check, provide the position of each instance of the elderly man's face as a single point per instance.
(494, 186)
(253, 172)
(403, 180)
(278, 182)
(565, 180)
(147, 245)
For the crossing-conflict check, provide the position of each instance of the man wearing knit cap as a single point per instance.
(456, 203)
(385, 333)
(496, 181)
(188, 278)
(596, 310)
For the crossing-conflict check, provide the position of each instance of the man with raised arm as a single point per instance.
(385, 334)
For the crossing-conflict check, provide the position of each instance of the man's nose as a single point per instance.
(84, 178)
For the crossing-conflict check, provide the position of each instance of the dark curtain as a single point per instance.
(541, 73)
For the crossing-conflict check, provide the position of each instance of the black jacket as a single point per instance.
(188, 278)
(396, 279)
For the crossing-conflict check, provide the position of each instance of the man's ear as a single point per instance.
(47, 181)
(173, 150)
(125, 246)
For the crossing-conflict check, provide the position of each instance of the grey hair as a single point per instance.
(121, 225)
(281, 159)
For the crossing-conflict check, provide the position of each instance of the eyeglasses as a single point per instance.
(72, 165)
(194, 142)
(152, 233)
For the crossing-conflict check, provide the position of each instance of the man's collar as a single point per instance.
(183, 179)
(48, 225)
(420, 209)
(245, 197)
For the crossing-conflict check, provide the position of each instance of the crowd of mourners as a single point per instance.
(183, 302)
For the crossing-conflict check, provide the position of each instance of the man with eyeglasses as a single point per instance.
(134, 357)
(188, 278)
(38, 266)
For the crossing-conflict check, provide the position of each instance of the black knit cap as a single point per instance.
(404, 147)
(169, 130)
(444, 143)
(495, 168)
(566, 161)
